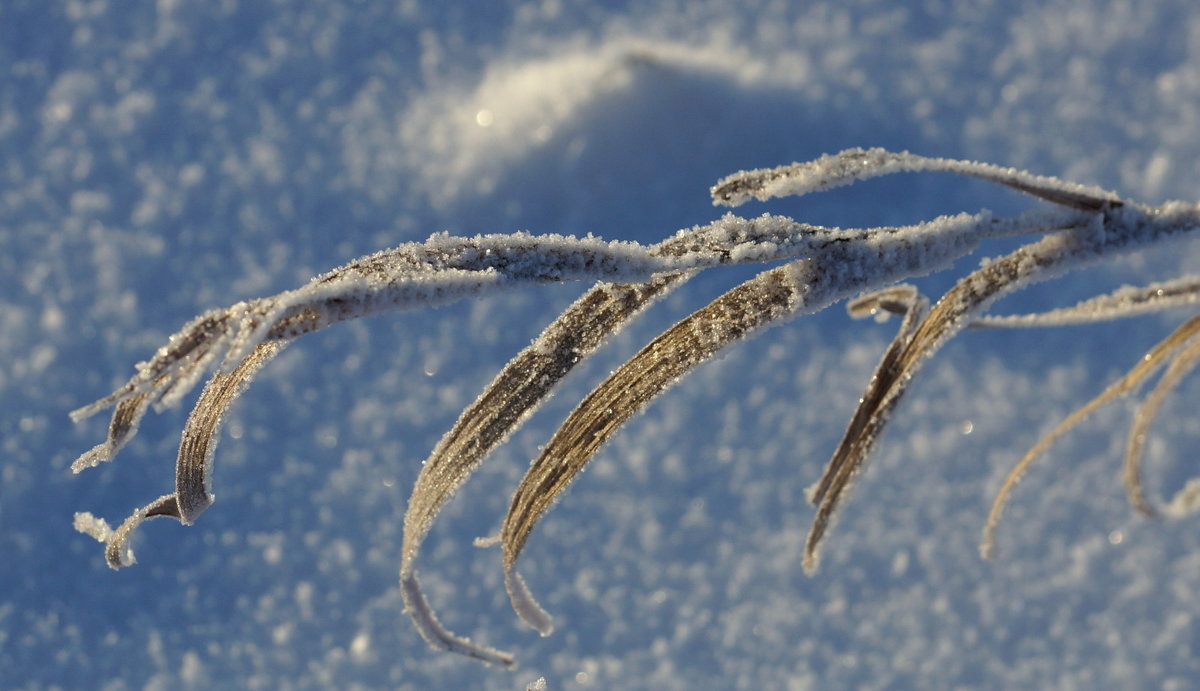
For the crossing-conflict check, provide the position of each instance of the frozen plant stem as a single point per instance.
(820, 266)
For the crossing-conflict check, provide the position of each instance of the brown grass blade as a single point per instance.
(1146, 366)
(970, 296)
(511, 397)
(873, 409)
(193, 468)
(745, 308)
(1181, 364)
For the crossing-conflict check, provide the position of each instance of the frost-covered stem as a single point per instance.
(1117, 230)
(833, 272)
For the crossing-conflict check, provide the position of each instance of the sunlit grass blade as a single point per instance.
(193, 470)
(511, 397)
(1182, 363)
(1145, 367)
(747, 307)
(968, 298)
(873, 409)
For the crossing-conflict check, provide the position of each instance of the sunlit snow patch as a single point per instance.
(462, 141)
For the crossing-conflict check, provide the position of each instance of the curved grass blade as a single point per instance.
(854, 165)
(1181, 364)
(441, 270)
(969, 297)
(201, 432)
(185, 350)
(511, 398)
(1124, 302)
(836, 270)
(1117, 230)
(123, 426)
(875, 407)
(747, 307)
(439, 636)
(193, 469)
(1146, 366)
(528, 378)
(887, 385)
(117, 551)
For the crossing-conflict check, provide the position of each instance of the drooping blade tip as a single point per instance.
(427, 624)
(91, 458)
(525, 605)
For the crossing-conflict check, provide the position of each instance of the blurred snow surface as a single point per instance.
(159, 159)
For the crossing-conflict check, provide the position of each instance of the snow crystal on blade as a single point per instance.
(90, 525)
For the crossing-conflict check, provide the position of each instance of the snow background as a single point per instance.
(160, 159)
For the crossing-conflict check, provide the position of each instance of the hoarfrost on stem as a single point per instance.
(820, 266)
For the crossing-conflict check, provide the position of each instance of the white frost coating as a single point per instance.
(438, 272)
(1127, 301)
(446, 269)
(525, 605)
(118, 551)
(828, 265)
(100, 453)
(855, 165)
(88, 524)
(436, 635)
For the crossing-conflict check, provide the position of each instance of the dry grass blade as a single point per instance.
(1146, 366)
(1181, 364)
(853, 165)
(825, 265)
(953, 312)
(511, 397)
(121, 428)
(873, 410)
(434, 633)
(117, 551)
(1124, 302)
(186, 350)
(193, 467)
(745, 308)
